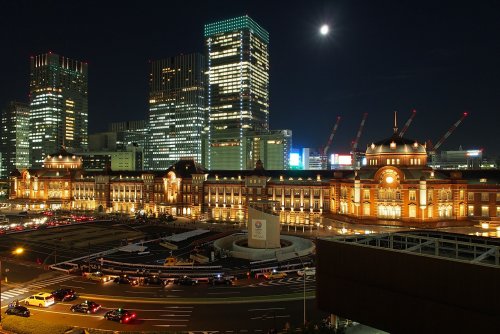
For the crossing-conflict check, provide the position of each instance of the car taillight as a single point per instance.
(133, 315)
(126, 319)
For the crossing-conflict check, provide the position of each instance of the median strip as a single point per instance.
(226, 300)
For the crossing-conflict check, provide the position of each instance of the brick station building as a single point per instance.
(395, 184)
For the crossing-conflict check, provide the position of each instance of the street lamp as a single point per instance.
(17, 251)
(304, 269)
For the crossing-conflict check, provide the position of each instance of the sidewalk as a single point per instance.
(399, 223)
(22, 272)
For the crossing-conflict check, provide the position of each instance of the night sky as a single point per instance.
(440, 57)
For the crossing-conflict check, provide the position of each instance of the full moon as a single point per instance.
(324, 29)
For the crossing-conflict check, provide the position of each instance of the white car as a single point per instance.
(307, 272)
(41, 299)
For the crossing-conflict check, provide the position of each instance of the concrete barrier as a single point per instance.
(199, 258)
(169, 245)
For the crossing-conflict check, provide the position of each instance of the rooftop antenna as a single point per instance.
(395, 122)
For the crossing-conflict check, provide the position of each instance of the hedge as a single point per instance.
(20, 325)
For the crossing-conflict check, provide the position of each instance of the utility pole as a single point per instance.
(89, 255)
(304, 269)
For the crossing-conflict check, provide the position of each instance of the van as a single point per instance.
(41, 299)
(307, 272)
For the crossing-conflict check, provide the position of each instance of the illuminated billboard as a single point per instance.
(341, 159)
(295, 160)
(473, 153)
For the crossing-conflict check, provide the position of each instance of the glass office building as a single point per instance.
(238, 89)
(177, 110)
(14, 143)
(58, 106)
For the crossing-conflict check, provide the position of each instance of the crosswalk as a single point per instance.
(284, 281)
(11, 294)
(16, 292)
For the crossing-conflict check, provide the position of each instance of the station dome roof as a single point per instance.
(396, 144)
(62, 159)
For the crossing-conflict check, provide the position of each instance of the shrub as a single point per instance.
(21, 325)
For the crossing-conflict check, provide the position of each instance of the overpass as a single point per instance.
(413, 282)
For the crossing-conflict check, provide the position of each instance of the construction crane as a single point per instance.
(450, 131)
(360, 130)
(433, 148)
(325, 149)
(408, 122)
(356, 140)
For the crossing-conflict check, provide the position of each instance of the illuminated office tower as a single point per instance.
(272, 149)
(176, 110)
(129, 133)
(14, 143)
(58, 106)
(238, 89)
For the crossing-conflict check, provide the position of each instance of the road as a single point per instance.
(250, 304)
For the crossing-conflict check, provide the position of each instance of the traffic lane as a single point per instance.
(247, 316)
(248, 288)
(149, 316)
(253, 316)
(241, 288)
(110, 289)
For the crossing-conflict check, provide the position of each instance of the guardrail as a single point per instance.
(161, 267)
(169, 245)
(199, 258)
(96, 255)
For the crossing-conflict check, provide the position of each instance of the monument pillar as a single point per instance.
(263, 225)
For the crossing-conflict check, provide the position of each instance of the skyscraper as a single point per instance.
(238, 89)
(130, 133)
(14, 143)
(58, 106)
(176, 110)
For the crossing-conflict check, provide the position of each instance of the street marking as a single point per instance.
(222, 293)
(13, 293)
(89, 282)
(179, 307)
(149, 310)
(163, 319)
(47, 282)
(146, 292)
(33, 311)
(264, 317)
(73, 286)
(170, 325)
(266, 309)
(175, 315)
